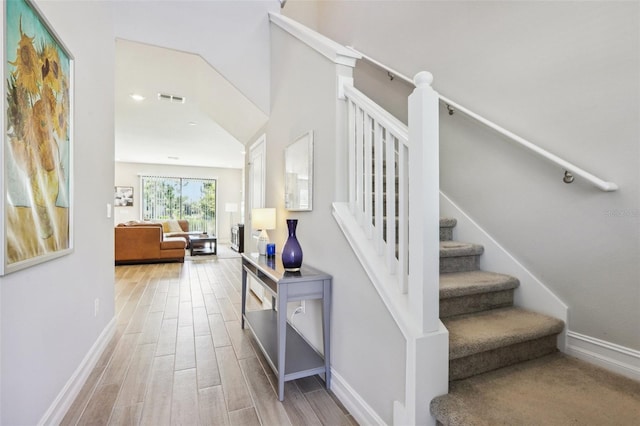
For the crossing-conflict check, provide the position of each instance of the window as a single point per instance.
(180, 198)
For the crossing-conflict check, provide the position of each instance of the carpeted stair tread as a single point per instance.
(552, 390)
(448, 222)
(496, 328)
(457, 249)
(457, 284)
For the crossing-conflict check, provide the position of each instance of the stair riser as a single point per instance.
(459, 264)
(482, 362)
(446, 234)
(475, 303)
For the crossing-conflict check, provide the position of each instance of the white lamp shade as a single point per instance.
(263, 218)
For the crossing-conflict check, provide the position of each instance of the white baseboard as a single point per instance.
(610, 356)
(70, 391)
(358, 408)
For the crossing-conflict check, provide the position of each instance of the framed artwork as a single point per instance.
(37, 157)
(124, 196)
(298, 174)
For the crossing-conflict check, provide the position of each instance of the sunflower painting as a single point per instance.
(38, 140)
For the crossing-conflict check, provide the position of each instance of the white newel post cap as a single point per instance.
(423, 79)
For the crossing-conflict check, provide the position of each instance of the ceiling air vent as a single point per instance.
(171, 98)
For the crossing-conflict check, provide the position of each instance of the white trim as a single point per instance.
(352, 401)
(610, 356)
(321, 44)
(343, 81)
(259, 147)
(375, 268)
(426, 369)
(58, 409)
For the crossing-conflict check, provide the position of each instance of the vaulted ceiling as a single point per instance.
(207, 128)
(214, 54)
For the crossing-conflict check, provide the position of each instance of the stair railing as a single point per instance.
(394, 186)
(378, 144)
(570, 169)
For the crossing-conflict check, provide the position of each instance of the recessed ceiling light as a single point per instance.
(136, 97)
(173, 158)
(193, 123)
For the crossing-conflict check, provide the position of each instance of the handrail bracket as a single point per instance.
(568, 177)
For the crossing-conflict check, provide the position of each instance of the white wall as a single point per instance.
(565, 76)
(232, 36)
(367, 346)
(47, 318)
(228, 190)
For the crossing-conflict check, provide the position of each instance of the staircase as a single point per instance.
(486, 331)
(503, 363)
(504, 367)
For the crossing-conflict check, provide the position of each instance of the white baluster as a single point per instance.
(351, 141)
(359, 164)
(403, 217)
(368, 176)
(390, 162)
(379, 193)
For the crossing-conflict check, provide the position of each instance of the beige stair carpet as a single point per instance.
(552, 390)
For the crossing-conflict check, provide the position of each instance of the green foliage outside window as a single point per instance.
(180, 198)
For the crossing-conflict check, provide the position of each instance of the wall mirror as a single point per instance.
(298, 163)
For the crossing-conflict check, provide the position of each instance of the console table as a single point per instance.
(288, 354)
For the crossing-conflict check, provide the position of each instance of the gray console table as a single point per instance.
(289, 355)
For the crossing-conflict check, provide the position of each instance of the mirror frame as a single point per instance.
(298, 161)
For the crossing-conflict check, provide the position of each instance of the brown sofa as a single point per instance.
(144, 242)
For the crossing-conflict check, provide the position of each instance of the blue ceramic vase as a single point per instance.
(292, 252)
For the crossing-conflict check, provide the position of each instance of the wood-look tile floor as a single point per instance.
(179, 357)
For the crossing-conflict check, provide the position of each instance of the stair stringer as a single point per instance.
(532, 293)
(427, 355)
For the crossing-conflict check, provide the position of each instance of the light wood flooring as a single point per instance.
(179, 357)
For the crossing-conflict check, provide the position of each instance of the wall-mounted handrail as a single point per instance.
(569, 168)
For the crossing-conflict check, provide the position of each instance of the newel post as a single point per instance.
(424, 205)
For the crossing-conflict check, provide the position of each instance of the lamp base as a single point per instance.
(263, 240)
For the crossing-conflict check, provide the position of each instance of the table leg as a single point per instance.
(326, 328)
(244, 296)
(282, 338)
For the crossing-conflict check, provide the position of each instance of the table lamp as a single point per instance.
(263, 220)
